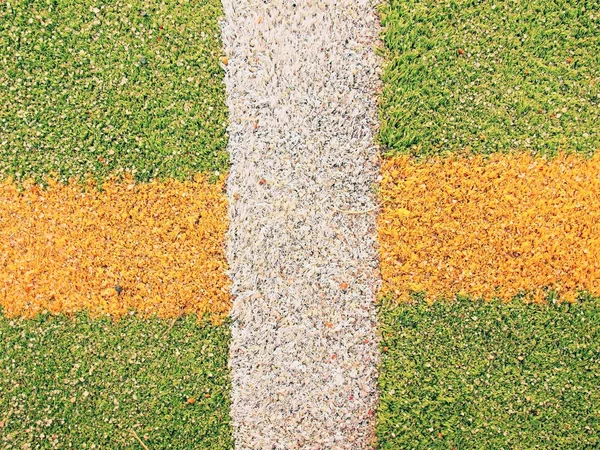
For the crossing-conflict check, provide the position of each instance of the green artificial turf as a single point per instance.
(485, 76)
(82, 383)
(92, 87)
(468, 375)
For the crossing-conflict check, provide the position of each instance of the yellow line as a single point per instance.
(156, 248)
(491, 227)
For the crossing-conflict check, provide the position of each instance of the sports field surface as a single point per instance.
(112, 225)
(337, 224)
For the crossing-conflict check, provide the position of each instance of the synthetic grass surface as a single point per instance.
(490, 226)
(156, 248)
(102, 87)
(486, 76)
(81, 383)
(490, 375)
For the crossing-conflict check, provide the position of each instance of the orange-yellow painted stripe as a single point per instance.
(491, 226)
(155, 248)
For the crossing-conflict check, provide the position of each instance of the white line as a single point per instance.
(301, 90)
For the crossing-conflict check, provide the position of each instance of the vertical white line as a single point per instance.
(301, 89)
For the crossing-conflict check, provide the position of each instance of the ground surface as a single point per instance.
(474, 375)
(301, 87)
(521, 81)
(487, 76)
(156, 248)
(102, 89)
(95, 88)
(99, 89)
(88, 383)
(131, 95)
(490, 227)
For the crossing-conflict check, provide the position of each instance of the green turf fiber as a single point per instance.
(90, 87)
(468, 375)
(82, 383)
(485, 76)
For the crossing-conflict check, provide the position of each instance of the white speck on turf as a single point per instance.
(301, 87)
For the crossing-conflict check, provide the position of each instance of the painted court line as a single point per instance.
(301, 89)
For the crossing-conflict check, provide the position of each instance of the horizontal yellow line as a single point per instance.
(490, 227)
(155, 248)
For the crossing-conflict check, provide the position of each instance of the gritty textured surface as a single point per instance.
(156, 248)
(82, 383)
(301, 85)
(501, 226)
(468, 374)
(487, 76)
(97, 87)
